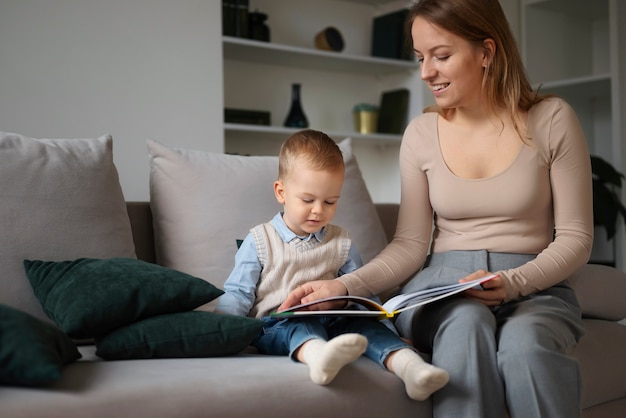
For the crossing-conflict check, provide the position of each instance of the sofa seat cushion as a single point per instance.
(225, 387)
(601, 355)
(60, 199)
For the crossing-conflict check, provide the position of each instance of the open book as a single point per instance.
(389, 309)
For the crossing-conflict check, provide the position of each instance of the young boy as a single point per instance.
(299, 245)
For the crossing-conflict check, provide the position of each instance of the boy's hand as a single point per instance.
(315, 290)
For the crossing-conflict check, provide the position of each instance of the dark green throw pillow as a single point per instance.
(183, 334)
(32, 352)
(90, 297)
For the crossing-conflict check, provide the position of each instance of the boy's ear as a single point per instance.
(279, 191)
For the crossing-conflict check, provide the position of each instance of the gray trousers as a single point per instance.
(512, 357)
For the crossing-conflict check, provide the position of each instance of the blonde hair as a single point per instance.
(318, 150)
(505, 83)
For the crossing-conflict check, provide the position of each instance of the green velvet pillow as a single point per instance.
(183, 334)
(89, 297)
(32, 352)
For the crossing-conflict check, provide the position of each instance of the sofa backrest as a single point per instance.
(140, 216)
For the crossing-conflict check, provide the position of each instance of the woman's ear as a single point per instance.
(279, 191)
(489, 51)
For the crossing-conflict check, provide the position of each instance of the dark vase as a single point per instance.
(257, 29)
(296, 117)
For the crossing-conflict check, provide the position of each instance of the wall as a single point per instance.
(135, 69)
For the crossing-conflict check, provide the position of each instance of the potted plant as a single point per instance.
(607, 202)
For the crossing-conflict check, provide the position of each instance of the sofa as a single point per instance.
(61, 201)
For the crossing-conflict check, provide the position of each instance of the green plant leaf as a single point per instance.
(607, 203)
(605, 172)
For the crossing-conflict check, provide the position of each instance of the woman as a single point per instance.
(505, 176)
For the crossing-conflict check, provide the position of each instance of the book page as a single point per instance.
(406, 301)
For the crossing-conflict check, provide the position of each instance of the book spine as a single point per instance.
(241, 20)
(228, 17)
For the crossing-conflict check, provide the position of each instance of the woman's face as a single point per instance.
(451, 66)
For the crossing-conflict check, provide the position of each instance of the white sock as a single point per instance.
(326, 358)
(420, 378)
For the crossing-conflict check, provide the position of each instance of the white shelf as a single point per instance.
(239, 49)
(279, 132)
(370, 2)
(586, 9)
(590, 86)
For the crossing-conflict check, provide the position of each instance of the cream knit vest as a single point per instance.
(286, 265)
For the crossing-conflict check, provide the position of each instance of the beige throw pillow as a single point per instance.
(60, 199)
(203, 202)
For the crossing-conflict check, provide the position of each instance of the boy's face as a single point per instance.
(309, 197)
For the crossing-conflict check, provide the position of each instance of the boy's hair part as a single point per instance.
(319, 151)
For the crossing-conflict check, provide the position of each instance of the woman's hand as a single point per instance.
(493, 293)
(315, 290)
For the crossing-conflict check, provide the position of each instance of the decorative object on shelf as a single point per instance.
(257, 29)
(250, 117)
(296, 117)
(393, 113)
(329, 39)
(365, 118)
(607, 202)
(388, 37)
(235, 18)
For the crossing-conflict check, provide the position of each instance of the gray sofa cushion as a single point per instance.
(252, 386)
(61, 200)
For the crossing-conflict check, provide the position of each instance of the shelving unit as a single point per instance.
(575, 49)
(273, 54)
(258, 76)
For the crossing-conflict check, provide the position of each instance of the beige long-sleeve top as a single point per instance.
(541, 204)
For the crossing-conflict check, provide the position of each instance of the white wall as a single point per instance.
(135, 69)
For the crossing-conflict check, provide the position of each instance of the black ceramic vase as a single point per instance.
(296, 117)
(257, 29)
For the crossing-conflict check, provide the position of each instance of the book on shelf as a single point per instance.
(389, 309)
(235, 18)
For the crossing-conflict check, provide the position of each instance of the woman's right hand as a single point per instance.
(315, 290)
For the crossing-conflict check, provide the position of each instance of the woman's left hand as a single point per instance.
(493, 293)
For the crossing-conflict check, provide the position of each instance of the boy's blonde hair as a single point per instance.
(318, 150)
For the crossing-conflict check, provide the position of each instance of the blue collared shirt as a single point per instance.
(240, 287)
